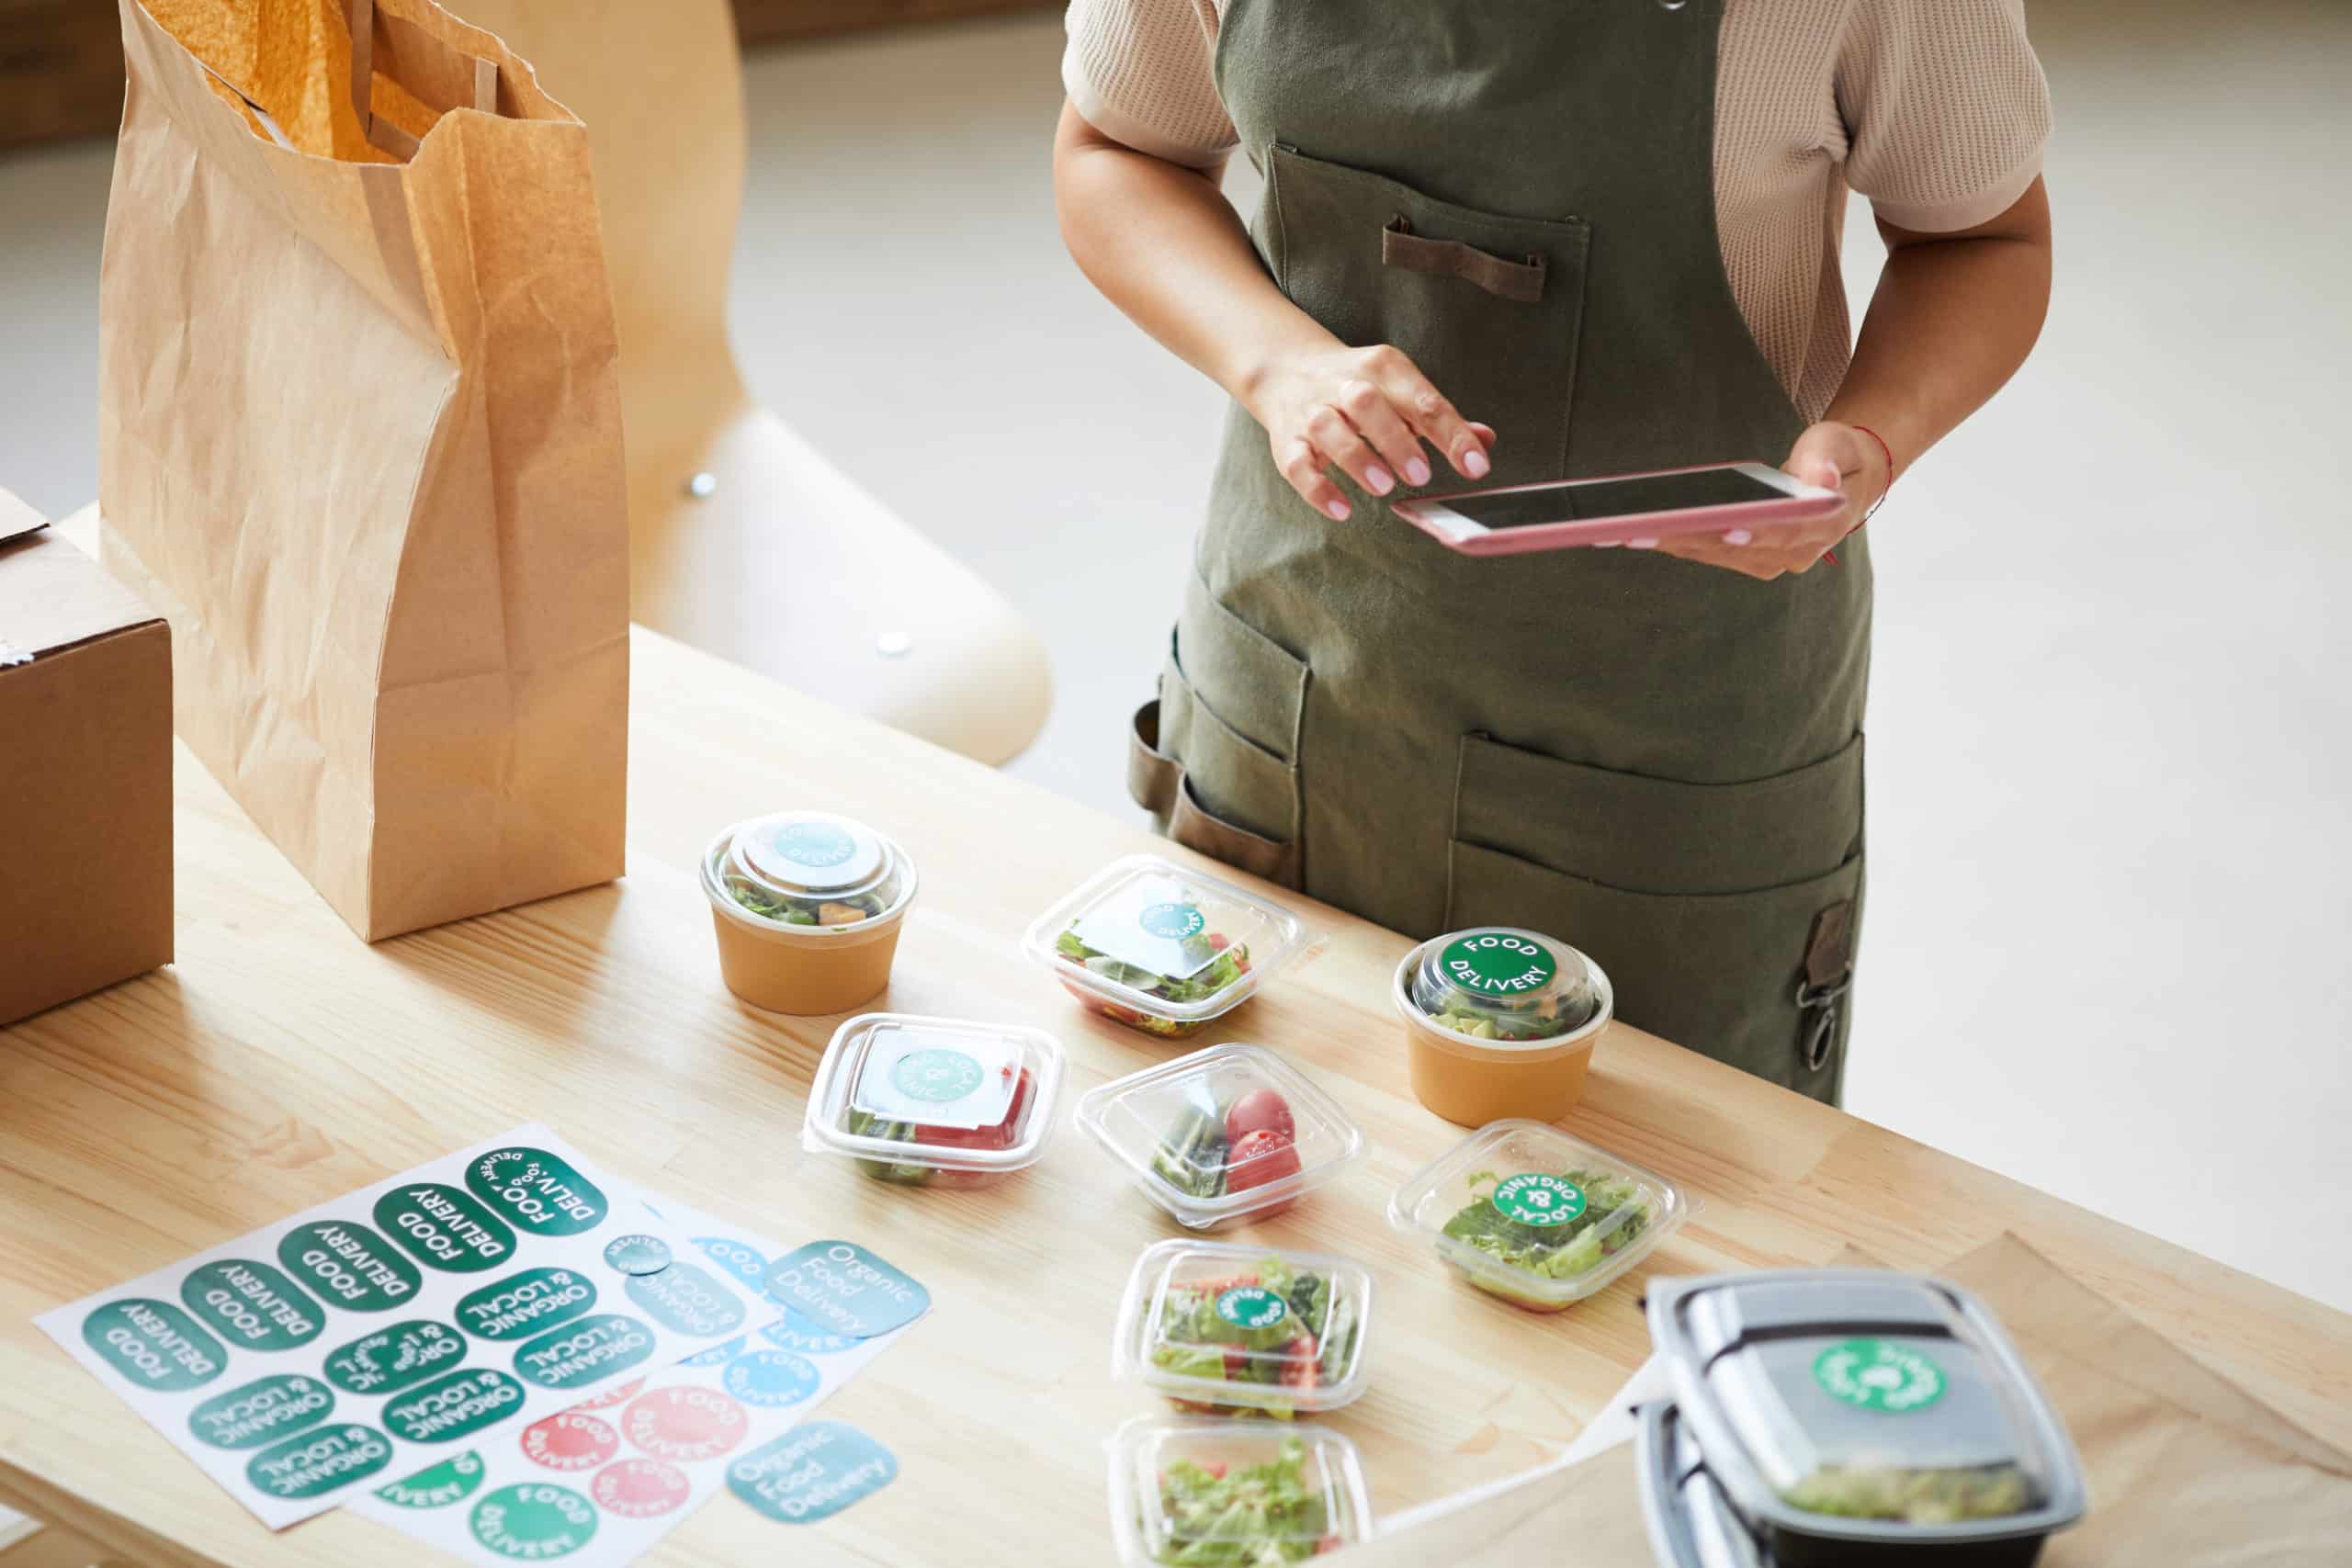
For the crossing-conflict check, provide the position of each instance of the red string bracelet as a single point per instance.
(1831, 555)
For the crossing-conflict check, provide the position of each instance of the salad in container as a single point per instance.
(1240, 1331)
(1152, 946)
(1191, 1493)
(1500, 1022)
(934, 1101)
(1223, 1134)
(1536, 1216)
(1859, 1416)
(808, 906)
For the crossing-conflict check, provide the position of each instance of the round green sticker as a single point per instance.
(1498, 964)
(1879, 1374)
(534, 1522)
(1175, 921)
(816, 846)
(1535, 1199)
(1251, 1306)
(637, 1254)
(936, 1075)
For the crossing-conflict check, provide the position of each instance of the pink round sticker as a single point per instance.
(686, 1423)
(639, 1488)
(571, 1441)
(620, 1395)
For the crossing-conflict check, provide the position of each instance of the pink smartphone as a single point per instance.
(1615, 510)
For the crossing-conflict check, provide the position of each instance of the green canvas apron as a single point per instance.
(1658, 762)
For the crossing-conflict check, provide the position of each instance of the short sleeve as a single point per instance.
(1140, 71)
(1946, 111)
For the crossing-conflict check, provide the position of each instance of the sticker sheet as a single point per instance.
(450, 1307)
(601, 1482)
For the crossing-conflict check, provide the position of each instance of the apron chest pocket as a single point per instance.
(1725, 914)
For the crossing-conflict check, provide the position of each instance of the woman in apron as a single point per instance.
(1502, 243)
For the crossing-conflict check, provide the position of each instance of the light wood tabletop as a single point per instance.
(280, 1063)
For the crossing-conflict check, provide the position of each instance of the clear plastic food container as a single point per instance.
(1500, 1022)
(1223, 1134)
(934, 1101)
(1184, 1490)
(1162, 949)
(808, 906)
(1536, 1216)
(1854, 1417)
(1690, 1524)
(1229, 1330)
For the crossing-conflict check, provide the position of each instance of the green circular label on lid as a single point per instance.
(1175, 921)
(1498, 964)
(819, 846)
(937, 1075)
(534, 1521)
(1879, 1374)
(1536, 1198)
(1251, 1306)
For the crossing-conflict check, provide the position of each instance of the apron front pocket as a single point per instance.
(1489, 306)
(1726, 914)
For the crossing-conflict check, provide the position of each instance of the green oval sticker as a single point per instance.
(527, 1304)
(444, 1227)
(539, 1193)
(1251, 1306)
(685, 1299)
(154, 1345)
(251, 1305)
(349, 1265)
(1879, 1374)
(452, 1480)
(811, 1472)
(534, 1522)
(585, 1352)
(1534, 1197)
(1498, 964)
(261, 1411)
(395, 1358)
(318, 1462)
(454, 1406)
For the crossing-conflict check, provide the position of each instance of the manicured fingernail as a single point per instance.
(1641, 544)
(1738, 537)
(1378, 479)
(1338, 509)
(1417, 472)
(1606, 544)
(1475, 464)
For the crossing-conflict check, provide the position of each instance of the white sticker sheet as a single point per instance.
(600, 1483)
(445, 1309)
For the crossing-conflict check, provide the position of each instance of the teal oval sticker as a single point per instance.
(454, 1406)
(395, 1358)
(811, 1472)
(153, 1345)
(539, 1193)
(527, 1304)
(739, 1259)
(444, 1227)
(795, 1333)
(251, 1305)
(454, 1480)
(585, 1352)
(261, 1411)
(318, 1462)
(685, 1300)
(349, 1266)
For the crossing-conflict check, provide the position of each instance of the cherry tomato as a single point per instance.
(1262, 1158)
(1261, 1109)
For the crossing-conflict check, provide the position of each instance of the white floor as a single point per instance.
(2107, 939)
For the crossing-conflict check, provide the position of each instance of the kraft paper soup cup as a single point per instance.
(1500, 1022)
(808, 907)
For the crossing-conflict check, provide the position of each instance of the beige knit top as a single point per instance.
(1934, 109)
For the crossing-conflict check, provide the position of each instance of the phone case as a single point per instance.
(1609, 530)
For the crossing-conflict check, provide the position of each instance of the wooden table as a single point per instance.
(280, 1063)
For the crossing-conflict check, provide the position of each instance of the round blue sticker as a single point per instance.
(771, 1378)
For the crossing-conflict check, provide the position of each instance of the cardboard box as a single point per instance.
(86, 774)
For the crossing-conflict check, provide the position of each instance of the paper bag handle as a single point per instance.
(474, 79)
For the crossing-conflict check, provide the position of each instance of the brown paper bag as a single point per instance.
(360, 439)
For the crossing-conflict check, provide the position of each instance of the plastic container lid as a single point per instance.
(1535, 1215)
(1167, 1125)
(911, 1096)
(1500, 982)
(1165, 942)
(1184, 1490)
(810, 871)
(1863, 1408)
(1690, 1522)
(1211, 1324)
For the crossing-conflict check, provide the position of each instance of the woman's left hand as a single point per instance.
(1832, 456)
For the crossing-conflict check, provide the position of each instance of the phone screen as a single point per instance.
(1612, 498)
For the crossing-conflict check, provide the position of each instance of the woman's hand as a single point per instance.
(1832, 456)
(1364, 412)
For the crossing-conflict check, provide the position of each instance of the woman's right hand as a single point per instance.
(1364, 412)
